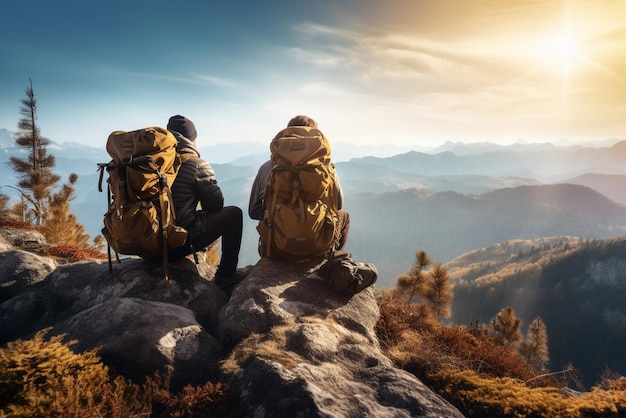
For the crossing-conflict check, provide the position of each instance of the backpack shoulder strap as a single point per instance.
(187, 156)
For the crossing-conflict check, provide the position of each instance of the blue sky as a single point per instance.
(407, 72)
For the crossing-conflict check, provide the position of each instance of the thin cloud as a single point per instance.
(314, 30)
(197, 79)
(218, 81)
(480, 75)
(317, 58)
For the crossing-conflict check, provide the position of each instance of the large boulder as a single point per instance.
(285, 345)
(277, 292)
(138, 337)
(304, 351)
(23, 239)
(21, 269)
(139, 322)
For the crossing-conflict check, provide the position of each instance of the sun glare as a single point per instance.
(564, 50)
(559, 53)
(564, 47)
(559, 49)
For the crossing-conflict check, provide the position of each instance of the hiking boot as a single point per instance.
(227, 284)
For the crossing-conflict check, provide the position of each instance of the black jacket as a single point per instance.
(195, 183)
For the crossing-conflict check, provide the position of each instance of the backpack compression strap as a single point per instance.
(101, 168)
(164, 228)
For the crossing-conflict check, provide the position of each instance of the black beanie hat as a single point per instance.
(302, 120)
(183, 126)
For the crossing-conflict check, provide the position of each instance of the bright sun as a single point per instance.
(558, 49)
(563, 49)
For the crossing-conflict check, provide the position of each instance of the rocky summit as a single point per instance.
(284, 344)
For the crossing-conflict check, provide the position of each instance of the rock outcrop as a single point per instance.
(286, 345)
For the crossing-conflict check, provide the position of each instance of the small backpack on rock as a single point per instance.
(346, 277)
(140, 219)
(300, 198)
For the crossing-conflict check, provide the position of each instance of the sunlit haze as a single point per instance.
(405, 72)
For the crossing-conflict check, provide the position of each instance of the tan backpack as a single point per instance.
(140, 219)
(300, 198)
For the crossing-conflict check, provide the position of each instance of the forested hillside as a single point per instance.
(577, 287)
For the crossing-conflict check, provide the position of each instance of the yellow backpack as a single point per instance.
(140, 219)
(300, 198)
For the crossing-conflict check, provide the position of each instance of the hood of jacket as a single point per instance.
(185, 145)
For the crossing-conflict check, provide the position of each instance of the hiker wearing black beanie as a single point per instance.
(196, 185)
(183, 126)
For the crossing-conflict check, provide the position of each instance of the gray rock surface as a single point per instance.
(21, 269)
(23, 239)
(285, 345)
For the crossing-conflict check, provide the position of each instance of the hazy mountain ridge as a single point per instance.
(576, 286)
(391, 203)
(6, 139)
(461, 148)
(610, 185)
(358, 178)
(393, 226)
(531, 162)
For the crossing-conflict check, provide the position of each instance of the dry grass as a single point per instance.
(481, 378)
(14, 223)
(397, 316)
(71, 254)
(43, 378)
(270, 346)
(478, 396)
(192, 401)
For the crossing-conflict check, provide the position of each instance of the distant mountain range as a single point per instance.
(541, 162)
(610, 185)
(390, 227)
(446, 203)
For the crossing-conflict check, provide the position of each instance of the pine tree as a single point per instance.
(36, 179)
(61, 226)
(8, 215)
(438, 292)
(410, 285)
(98, 243)
(409, 295)
(505, 327)
(4, 206)
(20, 209)
(534, 348)
(4, 202)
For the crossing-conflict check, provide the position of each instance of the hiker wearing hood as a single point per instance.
(200, 209)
